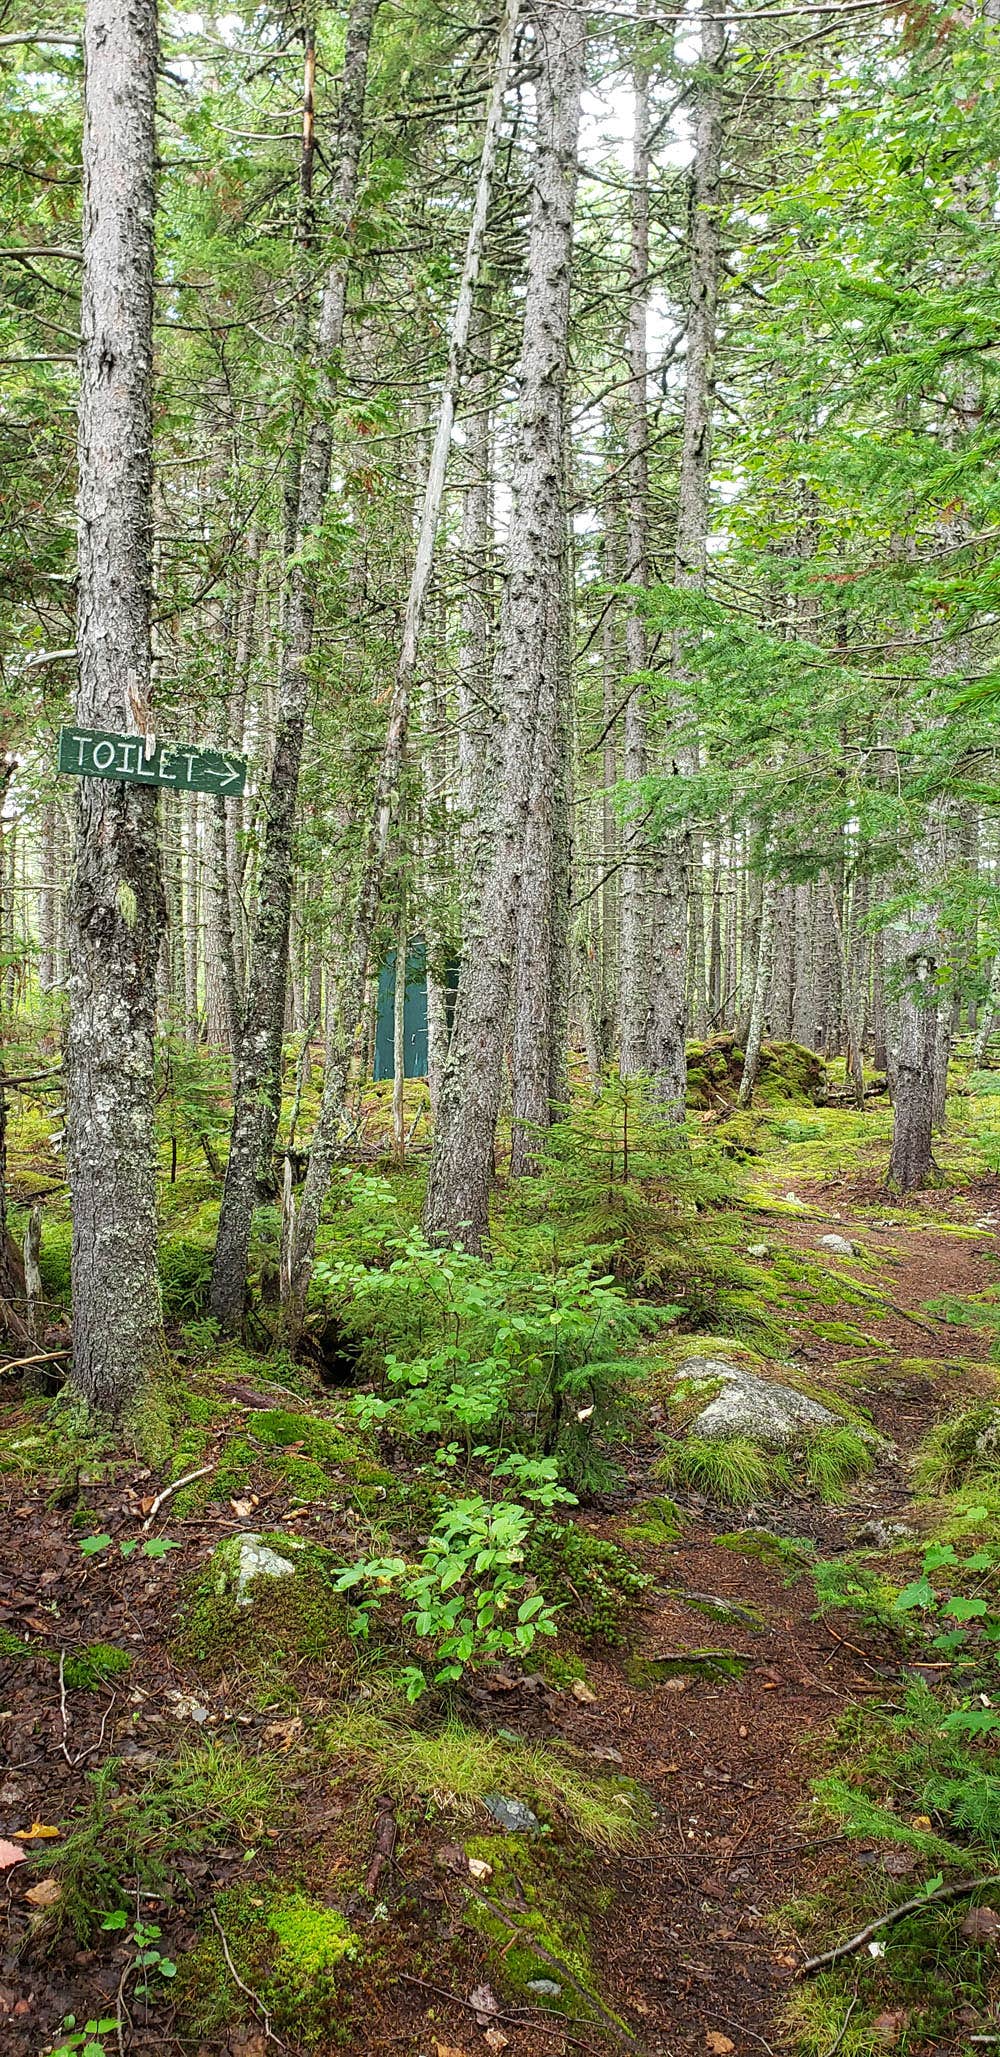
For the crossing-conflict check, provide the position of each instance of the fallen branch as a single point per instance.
(385, 1844)
(971, 1885)
(189, 1476)
(43, 1357)
(522, 2020)
(253, 1997)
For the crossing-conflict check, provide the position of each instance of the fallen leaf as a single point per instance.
(495, 2038)
(11, 1853)
(448, 2050)
(718, 2044)
(888, 2027)
(284, 1733)
(980, 1922)
(583, 1693)
(241, 1508)
(485, 2003)
(921, 1821)
(37, 1831)
(479, 1868)
(45, 1894)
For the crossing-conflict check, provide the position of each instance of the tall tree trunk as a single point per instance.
(634, 963)
(668, 999)
(116, 910)
(532, 618)
(347, 1009)
(258, 1083)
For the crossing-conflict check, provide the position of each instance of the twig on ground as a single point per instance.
(63, 1710)
(524, 2020)
(253, 1997)
(385, 1843)
(189, 1476)
(744, 2030)
(835, 2045)
(971, 1885)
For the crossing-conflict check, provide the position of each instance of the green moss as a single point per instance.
(592, 1581)
(532, 1929)
(695, 1664)
(785, 1553)
(560, 1669)
(87, 1670)
(13, 1645)
(293, 1624)
(290, 1949)
(659, 1522)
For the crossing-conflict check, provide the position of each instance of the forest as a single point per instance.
(500, 1028)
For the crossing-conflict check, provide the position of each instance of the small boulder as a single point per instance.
(759, 1250)
(747, 1404)
(546, 1988)
(511, 1815)
(838, 1246)
(241, 1559)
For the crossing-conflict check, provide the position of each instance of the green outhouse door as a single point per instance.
(414, 1016)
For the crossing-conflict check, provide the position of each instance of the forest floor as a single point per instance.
(165, 1794)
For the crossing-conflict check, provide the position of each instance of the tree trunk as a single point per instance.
(912, 1162)
(761, 988)
(668, 1007)
(258, 1083)
(116, 909)
(634, 967)
(531, 617)
(346, 1011)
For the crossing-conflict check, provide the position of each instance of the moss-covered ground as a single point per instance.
(733, 1751)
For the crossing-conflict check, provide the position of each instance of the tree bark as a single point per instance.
(761, 988)
(666, 1060)
(531, 623)
(348, 1006)
(258, 1082)
(634, 968)
(116, 911)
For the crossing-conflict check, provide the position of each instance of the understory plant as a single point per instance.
(468, 1597)
(490, 1356)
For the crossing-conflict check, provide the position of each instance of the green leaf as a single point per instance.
(92, 1545)
(158, 1546)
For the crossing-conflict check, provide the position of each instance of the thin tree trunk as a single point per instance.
(634, 962)
(761, 989)
(666, 1059)
(116, 905)
(258, 1085)
(346, 1011)
(531, 615)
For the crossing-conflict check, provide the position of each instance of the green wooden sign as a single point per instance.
(93, 754)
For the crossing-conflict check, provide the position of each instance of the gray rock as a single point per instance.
(837, 1245)
(244, 1558)
(511, 1815)
(759, 1250)
(748, 1405)
(880, 1535)
(546, 1988)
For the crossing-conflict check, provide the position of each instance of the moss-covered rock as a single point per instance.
(295, 1620)
(788, 1072)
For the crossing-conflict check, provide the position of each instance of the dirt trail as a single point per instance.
(692, 1951)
